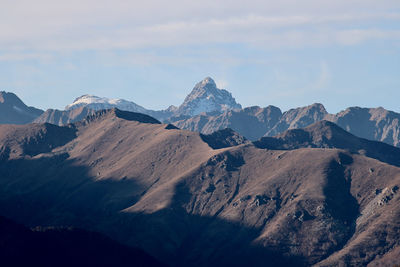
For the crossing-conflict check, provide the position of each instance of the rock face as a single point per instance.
(251, 122)
(317, 199)
(223, 138)
(371, 123)
(62, 117)
(298, 118)
(206, 97)
(14, 111)
(47, 246)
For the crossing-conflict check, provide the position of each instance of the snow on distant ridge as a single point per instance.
(205, 97)
(98, 103)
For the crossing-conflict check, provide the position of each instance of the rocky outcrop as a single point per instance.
(223, 138)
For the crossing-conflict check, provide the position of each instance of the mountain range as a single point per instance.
(255, 122)
(205, 97)
(208, 109)
(208, 183)
(317, 196)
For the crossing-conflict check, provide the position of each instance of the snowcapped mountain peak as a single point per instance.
(97, 103)
(86, 99)
(206, 86)
(206, 97)
(208, 81)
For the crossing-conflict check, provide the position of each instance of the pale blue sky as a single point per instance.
(289, 54)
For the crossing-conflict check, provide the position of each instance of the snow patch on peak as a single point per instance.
(98, 103)
(208, 80)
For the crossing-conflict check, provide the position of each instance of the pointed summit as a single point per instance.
(208, 81)
(14, 111)
(206, 97)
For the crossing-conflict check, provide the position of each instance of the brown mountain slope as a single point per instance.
(32, 139)
(62, 117)
(170, 193)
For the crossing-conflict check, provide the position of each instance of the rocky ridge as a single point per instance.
(317, 200)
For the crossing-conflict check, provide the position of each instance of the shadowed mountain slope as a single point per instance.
(20, 246)
(14, 111)
(32, 139)
(171, 194)
(223, 138)
(115, 113)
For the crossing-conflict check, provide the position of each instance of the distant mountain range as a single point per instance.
(208, 109)
(255, 122)
(317, 196)
(244, 187)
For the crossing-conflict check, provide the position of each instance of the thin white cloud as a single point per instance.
(324, 78)
(15, 56)
(356, 36)
(46, 25)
